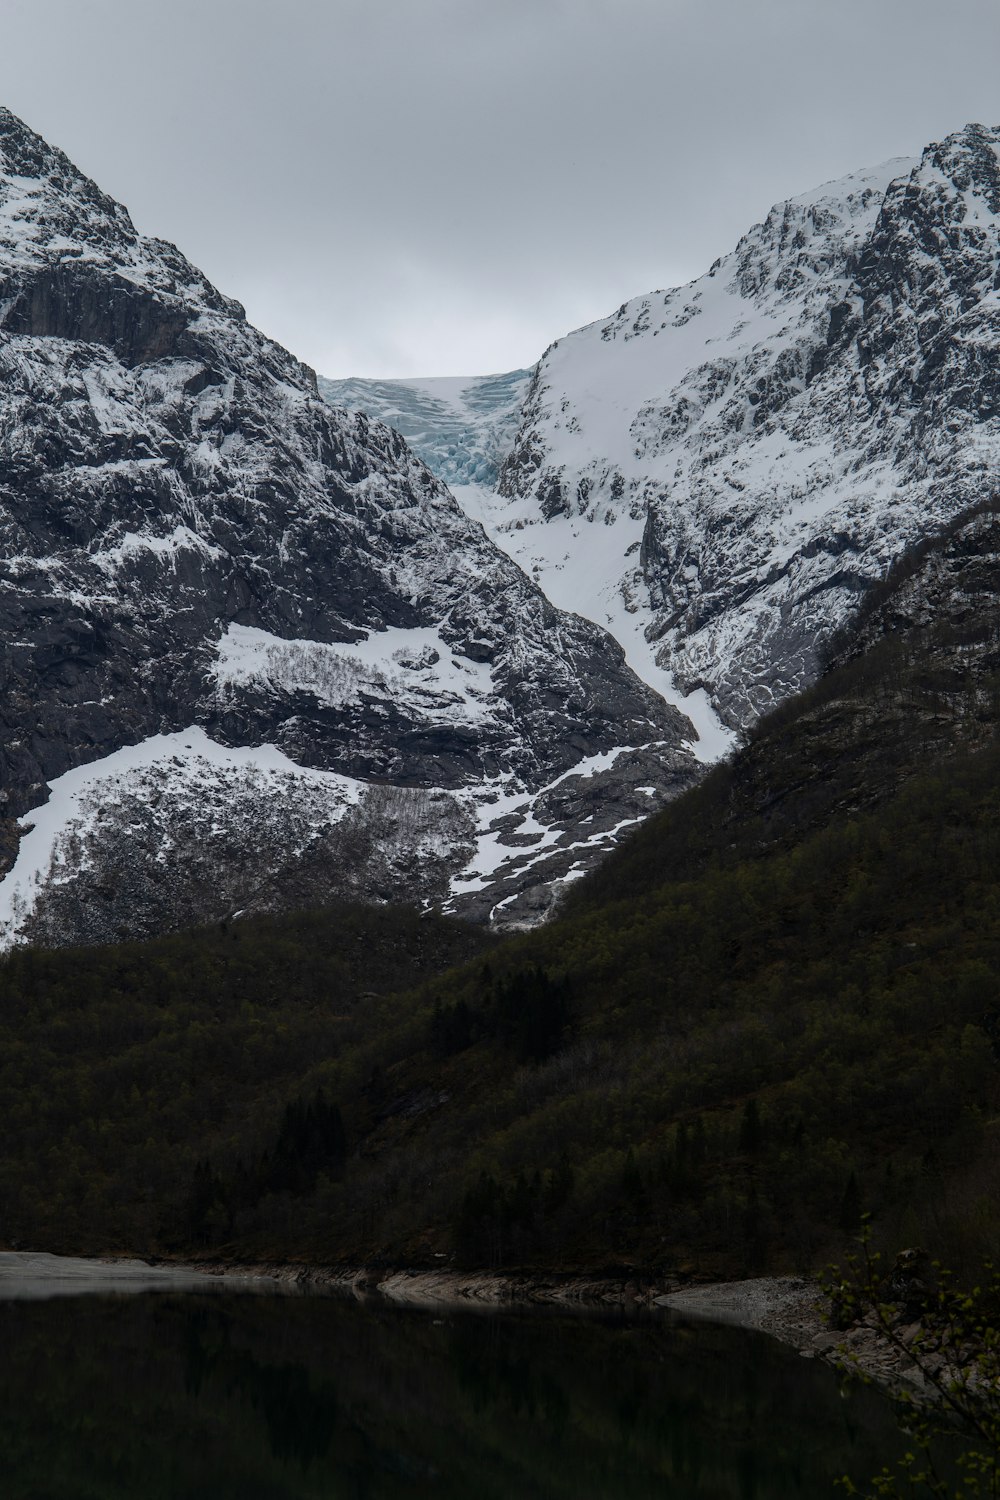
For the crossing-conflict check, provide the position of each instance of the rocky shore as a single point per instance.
(456, 1288)
(797, 1312)
(36, 1275)
(792, 1309)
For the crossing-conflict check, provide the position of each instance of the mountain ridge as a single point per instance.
(191, 540)
(780, 475)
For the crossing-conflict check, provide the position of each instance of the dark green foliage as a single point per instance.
(850, 1207)
(501, 1223)
(205, 1211)
(531, 1013)
(451, 1029)
(480, 1223)
(311, 1141)
(527, 1011)
(737, 1045)
(947, 1338)
(751, 1131)
(152, 1094)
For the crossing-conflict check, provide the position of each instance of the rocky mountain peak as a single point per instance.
(47, 205)
(932, 257)
(73, 266)
(970, 159)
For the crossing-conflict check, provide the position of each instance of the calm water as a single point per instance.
(267, 1398)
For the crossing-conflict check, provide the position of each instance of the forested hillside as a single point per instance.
(775, 1007)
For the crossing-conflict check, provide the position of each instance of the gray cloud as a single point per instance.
(432, 186)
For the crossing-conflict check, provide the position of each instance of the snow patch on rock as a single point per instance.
(56, 846)
(412, 666)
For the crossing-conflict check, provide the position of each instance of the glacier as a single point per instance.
(462, 428)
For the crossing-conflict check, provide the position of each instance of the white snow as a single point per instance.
(649, 421)
(589, 567)
(497, 800)
(166, 548)
(414, 666)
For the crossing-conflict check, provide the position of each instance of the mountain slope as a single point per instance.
(782, 429)
(191, 538)
(717, 474)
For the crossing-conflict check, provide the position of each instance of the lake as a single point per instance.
(223, 1396)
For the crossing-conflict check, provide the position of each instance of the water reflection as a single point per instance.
(180, 1397)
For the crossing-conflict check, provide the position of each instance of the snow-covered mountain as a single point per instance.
(718, 473)
(763, 443)
(255, 653)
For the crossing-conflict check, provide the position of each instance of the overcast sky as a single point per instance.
(402, 187)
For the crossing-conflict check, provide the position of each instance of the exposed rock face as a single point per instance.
(534, 846)
(190, 536)
(941, 603)
(759, 447)
(921, 683)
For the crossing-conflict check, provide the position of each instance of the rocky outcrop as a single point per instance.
(943, 597)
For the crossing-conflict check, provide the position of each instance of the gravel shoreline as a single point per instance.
(796, 1311)
(791, 1309)
(787, 1307)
